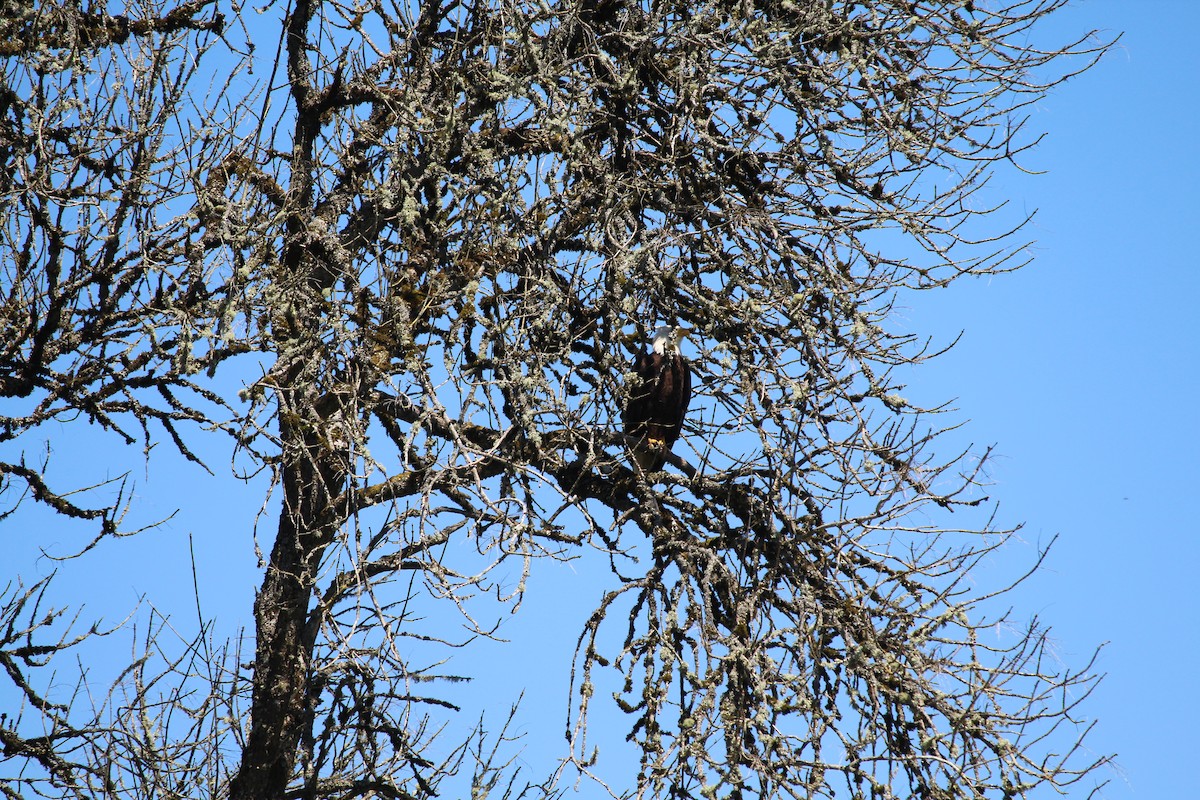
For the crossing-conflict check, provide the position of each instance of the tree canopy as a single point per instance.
(425, 241)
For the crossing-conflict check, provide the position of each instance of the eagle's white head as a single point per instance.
(667, 339)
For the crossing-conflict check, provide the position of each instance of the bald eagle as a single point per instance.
(658, 399)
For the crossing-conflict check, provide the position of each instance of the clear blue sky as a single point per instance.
(1083, 369)
(1080, 368)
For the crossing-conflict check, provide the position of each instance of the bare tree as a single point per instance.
(433, 235)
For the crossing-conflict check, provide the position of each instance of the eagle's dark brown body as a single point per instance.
(658, 401)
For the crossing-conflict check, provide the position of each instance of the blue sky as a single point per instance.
(1079, 368)
(1082, 368)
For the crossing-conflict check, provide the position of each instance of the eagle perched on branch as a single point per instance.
(658, 399)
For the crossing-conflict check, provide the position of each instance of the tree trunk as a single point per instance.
(281, 707)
